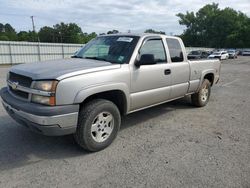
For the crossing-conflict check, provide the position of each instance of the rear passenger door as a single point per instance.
(179, 68)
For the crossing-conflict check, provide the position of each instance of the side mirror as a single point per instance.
(146, 59)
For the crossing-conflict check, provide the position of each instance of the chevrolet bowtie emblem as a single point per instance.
(14, 85)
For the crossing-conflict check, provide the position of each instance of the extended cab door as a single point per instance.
(150, 84)
(179, 66)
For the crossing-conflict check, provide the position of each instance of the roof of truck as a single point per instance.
(137, 34)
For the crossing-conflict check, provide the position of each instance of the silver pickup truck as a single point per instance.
(111, 76)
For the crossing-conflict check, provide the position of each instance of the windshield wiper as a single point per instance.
(96, 58)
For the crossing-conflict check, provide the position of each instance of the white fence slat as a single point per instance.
(12, 52)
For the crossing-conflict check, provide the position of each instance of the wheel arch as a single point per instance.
(209, 75)
(116, 93)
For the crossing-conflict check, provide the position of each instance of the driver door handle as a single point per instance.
(167, 71)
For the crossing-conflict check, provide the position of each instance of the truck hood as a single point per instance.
(62, 68)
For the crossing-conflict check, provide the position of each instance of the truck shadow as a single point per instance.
(20, 147)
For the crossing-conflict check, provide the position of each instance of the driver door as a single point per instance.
(150, 84)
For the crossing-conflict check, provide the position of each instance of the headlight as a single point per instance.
(43, 100)
(49, 86)
(45, 86)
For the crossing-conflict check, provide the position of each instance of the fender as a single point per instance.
(204, 73)
(95, 89)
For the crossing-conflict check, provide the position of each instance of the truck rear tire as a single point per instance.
(98, 124)
(201, 98)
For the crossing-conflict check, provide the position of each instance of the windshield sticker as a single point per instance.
(120, 58)
(125, 39)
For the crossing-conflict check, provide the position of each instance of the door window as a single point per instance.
(154, 47)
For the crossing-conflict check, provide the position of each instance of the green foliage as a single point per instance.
(7, 32)
(59, 33)
(47, 34)
(64, 33)
(29, 36)
(113, 32)
(153, 31)
(214, 27)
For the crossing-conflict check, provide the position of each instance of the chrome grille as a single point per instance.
(19, 93)
(19, 80)
(22, 80)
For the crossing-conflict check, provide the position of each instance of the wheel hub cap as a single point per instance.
(102, 126)
(204, 94)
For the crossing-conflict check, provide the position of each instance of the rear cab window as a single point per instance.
(175, 50)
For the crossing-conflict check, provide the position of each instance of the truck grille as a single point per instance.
(22, 80)
(19, 93)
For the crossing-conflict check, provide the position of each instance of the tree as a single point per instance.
(23, 36)
(214, 27)
(153, 31)
(113, 32)
(7, 32)
(47, 34)
(67, 33)
(29, 36)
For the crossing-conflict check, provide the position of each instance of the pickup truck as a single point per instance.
(111, 76)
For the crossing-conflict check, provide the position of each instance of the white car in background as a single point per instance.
(246, 53)
(219, 55)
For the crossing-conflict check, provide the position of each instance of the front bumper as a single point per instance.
(47, 120)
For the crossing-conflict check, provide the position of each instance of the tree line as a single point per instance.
(213, 27)
(59, 33)
(210, 26)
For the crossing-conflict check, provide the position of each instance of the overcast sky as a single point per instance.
(104, 15)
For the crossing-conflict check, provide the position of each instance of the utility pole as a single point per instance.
(33, 26)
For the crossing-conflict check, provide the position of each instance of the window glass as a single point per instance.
(114, 49)
(175, 50)
(156, 48)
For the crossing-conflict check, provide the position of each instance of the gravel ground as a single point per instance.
(171, 145)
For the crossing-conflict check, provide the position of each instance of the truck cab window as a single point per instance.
(156, 48)
(175, 50)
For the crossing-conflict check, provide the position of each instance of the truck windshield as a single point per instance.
(114, 49)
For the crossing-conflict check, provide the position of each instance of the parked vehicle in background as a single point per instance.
(246, 53)
(240, 52)
(219, 55)
(198, 54)
(232, 54)
(111, 76)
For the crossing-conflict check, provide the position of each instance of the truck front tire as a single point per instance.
(98, 124)
(201, 98)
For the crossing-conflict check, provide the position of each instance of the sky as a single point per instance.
(104, 15)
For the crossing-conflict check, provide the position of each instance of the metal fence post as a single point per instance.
(39, 51)
(63, 55)
(10, 51)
